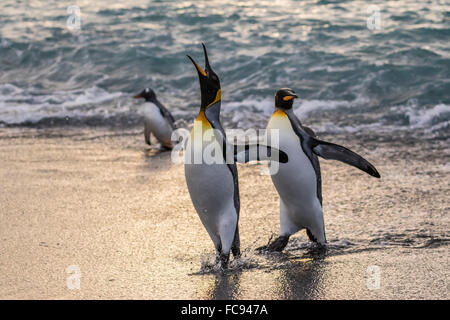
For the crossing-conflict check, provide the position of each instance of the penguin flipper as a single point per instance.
(170, 118)
(167, 115)
(309, 131)
(259, 152)
(331, 151)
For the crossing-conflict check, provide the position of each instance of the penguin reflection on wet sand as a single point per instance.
(157, 119)
(213, 187)
(298, 182)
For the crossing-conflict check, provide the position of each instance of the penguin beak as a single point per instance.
(137, 96)
(207, 66)
(209, 82)
(207, 69)
(200, 71)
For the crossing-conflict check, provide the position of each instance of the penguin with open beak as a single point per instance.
(213, 188)
(213, 185)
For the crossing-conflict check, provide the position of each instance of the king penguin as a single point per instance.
(213, 186)
(157, 119)
(298, 182)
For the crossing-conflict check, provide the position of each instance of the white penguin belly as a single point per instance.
(295, 181)
(211, 187)
(212, 192)
(158, 125)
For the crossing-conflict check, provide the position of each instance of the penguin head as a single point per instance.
(209, 83)
(284, 98)
(148, 94)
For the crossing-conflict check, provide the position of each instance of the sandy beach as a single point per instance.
(102, 201)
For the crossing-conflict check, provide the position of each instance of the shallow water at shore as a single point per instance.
(102, 201)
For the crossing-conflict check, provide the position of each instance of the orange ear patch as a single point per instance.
(287, 98)
(218, 98)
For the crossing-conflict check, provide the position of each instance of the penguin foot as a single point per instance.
(222, 260)
(278, 244)
(319, 250)
(165, 148)
(321, 247)
(275, 246)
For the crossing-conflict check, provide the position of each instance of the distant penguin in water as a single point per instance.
(157, 119)
(298, 182)
(213, 186)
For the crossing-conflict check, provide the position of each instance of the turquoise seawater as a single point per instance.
(352, 76)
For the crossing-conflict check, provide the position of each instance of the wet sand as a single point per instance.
(102, 201)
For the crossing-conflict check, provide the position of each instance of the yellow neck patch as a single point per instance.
(218, 98)
(201, 125)
(202, 121)
(279, 113)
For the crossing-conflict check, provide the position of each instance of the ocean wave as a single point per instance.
(349, 78)
(19, 106)
(428, 117)
(97, 106)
